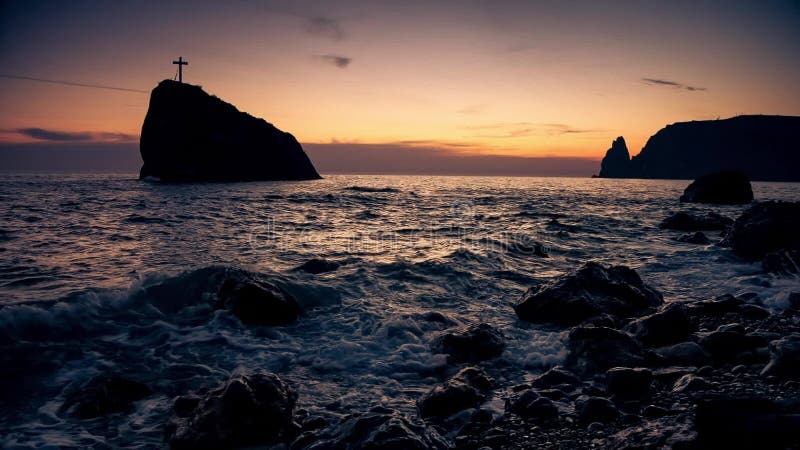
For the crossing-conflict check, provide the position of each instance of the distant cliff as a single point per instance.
(763, 147)
(189, 135)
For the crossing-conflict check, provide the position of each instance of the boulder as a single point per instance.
(685, 353)
(596, 349)
(665, 327)
(628, 383)
(698, 237)
(257, 302)
(377, 429)
(474, 344)
(784, 356)
(590, 291)
(728, 187)
(766, 227)
(555, 377)
(596, 409)
(189, 135)
(466, 389)
(727, 346)
(747, 423)
(317, 266)
(104, 394)
(683, 221)
(532, 406)
(248, 409)
(783, 262)
(691, 383)
(615, 163)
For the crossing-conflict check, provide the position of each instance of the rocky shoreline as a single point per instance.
(641, 371)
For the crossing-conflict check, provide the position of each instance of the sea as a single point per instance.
(418, 255)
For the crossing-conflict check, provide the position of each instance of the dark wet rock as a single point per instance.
(615, 163)
(766, 227)
(683, 221)
(104, 394)
(248, 409)
(698, 237)
(596, 349)
(657, 434)
(380, 428)
(556, 376)
(257, 302)
(720, 305)
(668, 375)
(748, 423)
(189, 135)
(474, 344)
(596, 409)
(728, 187)
(784, 357)
(729, 345)
(466, 389)
(317, 266)
(590, 291)
(665, 327)
(783, 262)
(685, 353)
(654, 412)
(531, 405)
(691, 383)
(628, 383)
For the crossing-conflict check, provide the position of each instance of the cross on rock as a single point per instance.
(180, 62)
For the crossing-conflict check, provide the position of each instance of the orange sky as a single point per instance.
(507, 78)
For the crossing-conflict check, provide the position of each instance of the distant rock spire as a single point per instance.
(617, 160)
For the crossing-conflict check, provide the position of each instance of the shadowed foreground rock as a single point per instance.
(189, 135)
(466, 389)
(591, 291)
(597, 349)
(249, 409)
(726, 188)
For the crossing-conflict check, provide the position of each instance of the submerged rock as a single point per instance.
(596, 349)
(466, 389)
(189, 135)
(697, 237)
(105, 394)
(727, 187)
(474, 344)
(590, 291)
(380, 428)
(317, 266)
(766, 227)
(257, 302)
(683, 221)
(249, 409)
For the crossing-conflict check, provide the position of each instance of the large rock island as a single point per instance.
(189, 135)
(764, 148)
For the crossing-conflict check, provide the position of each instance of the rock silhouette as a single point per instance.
(616, 162)
(729, 187)
(762, 147)
(189, 135)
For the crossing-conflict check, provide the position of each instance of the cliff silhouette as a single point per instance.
(763, 147)
(189, 135)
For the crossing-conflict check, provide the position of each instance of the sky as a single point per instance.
(523, 83)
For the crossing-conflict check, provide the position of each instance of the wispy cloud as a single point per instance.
(325, 27)
(336, 60)
(473, 109)
(522, 129)
(72, 83)
(44, 134)
(672, 84)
